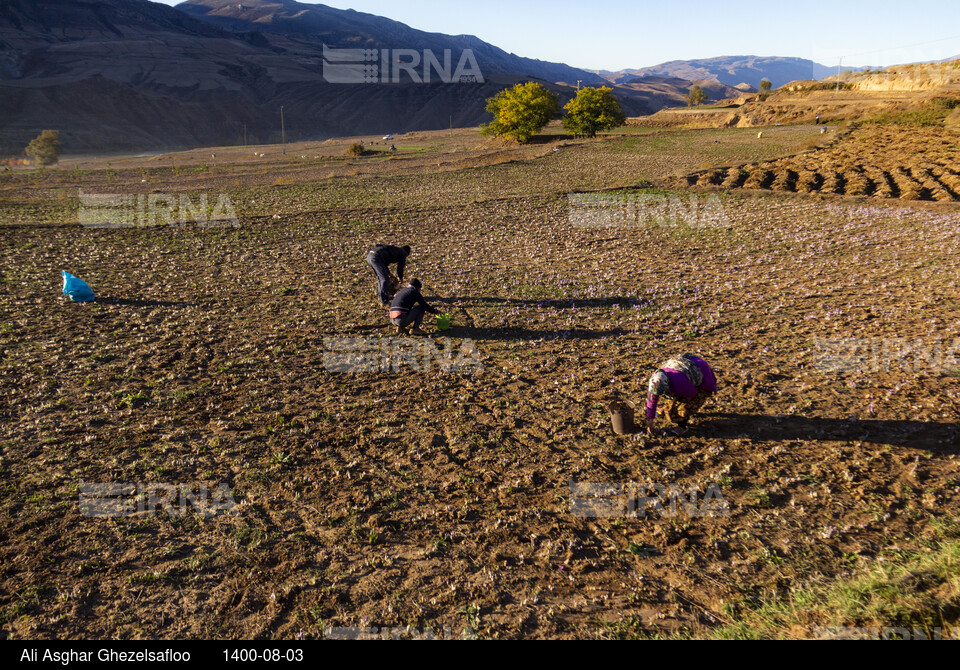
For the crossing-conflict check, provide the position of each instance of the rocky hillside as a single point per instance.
(912, 77)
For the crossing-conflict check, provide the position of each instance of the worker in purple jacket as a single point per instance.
(687, 381)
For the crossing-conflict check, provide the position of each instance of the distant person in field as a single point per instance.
(408, 308)
(380, 258)
(687, 382)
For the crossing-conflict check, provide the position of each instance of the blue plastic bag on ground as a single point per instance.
(76, 288)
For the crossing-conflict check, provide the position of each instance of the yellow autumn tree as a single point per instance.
(45, 148)
(520, 112)
(593, 110)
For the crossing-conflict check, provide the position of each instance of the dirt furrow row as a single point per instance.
(872, 162)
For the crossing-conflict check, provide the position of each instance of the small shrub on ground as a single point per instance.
(356, 149)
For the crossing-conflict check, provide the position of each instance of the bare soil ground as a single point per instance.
(403, 496)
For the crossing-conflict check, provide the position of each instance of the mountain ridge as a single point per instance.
(133, 74)
(731, 70)
(98, 71)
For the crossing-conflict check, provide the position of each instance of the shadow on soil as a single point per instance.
(141, 303)
(941, 438)
(524, 334)
(471, 333)
(556, 303)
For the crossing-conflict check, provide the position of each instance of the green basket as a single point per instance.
(443, 321)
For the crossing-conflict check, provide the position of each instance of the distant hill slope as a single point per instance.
(660, 92)
(732, 70)
(120, 73)
(134, 74)
(320, 24)
(127, 74)
(27, 24)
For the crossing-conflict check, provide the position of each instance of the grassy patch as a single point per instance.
(932, 114)
(920, 591)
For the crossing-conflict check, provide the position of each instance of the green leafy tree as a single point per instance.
(45, 148)
(696, 96)
(520, 112)
(593, 110)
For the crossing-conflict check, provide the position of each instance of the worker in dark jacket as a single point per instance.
(380, 258)
(408, 308)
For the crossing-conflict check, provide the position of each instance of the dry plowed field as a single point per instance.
(294, 469)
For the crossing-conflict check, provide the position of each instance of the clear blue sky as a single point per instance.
(617, 34)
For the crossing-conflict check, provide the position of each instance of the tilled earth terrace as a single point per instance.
(879, 161)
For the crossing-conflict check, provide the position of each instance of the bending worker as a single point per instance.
(380, 258)
(408, 307)
(686, 381)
